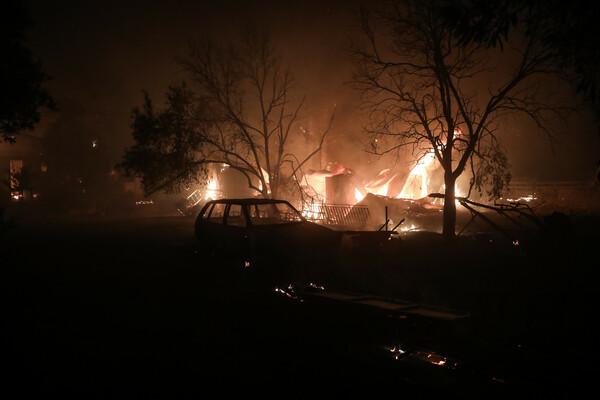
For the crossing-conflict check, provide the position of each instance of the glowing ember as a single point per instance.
(409, 228)
(397, 351)
(314, 286)
(431, 358)
(529, 198)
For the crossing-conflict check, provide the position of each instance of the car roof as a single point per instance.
(247, 201)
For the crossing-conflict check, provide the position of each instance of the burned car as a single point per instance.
(252, 227)
(271, 232)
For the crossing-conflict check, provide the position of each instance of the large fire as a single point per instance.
(417, 184)
(211, 190)
(381, 184)
(312, 212)
(338, 186)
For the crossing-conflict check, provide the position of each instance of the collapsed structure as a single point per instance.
(341, 199)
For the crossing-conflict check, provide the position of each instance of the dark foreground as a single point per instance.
(131, 308)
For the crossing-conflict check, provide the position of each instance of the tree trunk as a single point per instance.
(449, 219)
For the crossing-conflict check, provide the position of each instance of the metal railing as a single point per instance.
(340, 215)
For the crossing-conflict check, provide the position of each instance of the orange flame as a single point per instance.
(416, 186)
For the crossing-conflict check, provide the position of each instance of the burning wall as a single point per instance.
(342, 186)
(393, 194)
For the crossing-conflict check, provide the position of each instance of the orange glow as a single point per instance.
(380, 185)
(408, 228)
(358, 195)
(457, 193)
(211, 190)
(416, 186)
(312, 212)
(143, 202)
(289, 293)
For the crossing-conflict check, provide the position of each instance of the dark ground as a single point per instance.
(129, 308)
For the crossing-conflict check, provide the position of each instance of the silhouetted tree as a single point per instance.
(569, 31)
(170, 150)
(241, 112)
(424, 88)
(21, 76)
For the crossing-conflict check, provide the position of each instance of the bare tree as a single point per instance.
(422, 88)
(253, 110)
(240, 110)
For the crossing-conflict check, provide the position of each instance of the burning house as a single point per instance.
(339, 197)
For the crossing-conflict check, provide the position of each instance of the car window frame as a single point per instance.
(217, 220)
(243, 212)
(211, 206)
(274, 205)
(207, 211)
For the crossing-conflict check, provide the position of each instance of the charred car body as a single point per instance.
(269, 232)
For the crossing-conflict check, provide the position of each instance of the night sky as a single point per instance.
(102, 54)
